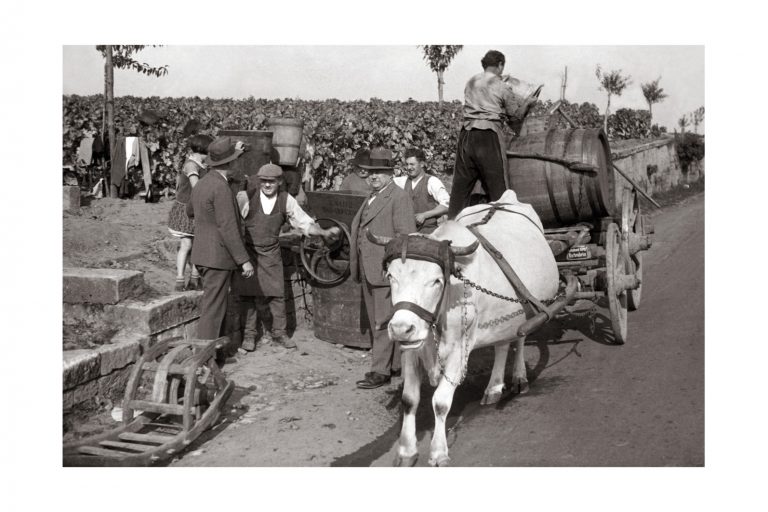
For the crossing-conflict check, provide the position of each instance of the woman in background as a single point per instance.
(179, 224)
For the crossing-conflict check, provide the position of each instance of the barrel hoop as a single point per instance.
(609, 169)
(592, 194)
(575, 207)
(548, 176)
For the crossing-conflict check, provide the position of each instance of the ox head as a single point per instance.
(418, 268)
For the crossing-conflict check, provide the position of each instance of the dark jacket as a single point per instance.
(218, 230)
(390, 214)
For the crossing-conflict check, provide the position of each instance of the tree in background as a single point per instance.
(613, 84)
(439, 57)
(683, 124)
(653, 94)
(121, 57)
(697, 117)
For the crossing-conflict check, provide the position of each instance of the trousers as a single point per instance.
(385, 353)
(214, 302)
(478, 157)
(250, 305)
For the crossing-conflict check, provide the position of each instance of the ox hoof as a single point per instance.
(520, 386)
(491, 398)
(406, 461)
(441, 462)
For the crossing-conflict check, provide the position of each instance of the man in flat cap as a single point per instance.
(388, 212)
(218, 247)
(266, 210)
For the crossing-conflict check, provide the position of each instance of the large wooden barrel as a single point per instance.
(259, 152)
(287, 138)
(339, 311)
(562, 197)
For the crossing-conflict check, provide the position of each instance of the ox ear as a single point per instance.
(466, 250)
(375, 239)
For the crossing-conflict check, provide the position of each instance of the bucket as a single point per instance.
(286, 138)
(559, 196)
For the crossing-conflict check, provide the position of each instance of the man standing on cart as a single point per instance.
(488, 100)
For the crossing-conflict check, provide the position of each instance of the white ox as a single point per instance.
(466, 318)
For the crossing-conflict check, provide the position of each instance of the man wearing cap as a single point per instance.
(388, 212)
(218, 247)
(265, 210)
(430, 199)
(488, 101)
(356, 180)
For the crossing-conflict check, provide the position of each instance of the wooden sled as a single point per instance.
(188, 393)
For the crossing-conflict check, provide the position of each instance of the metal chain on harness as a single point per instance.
(458, 275)
(464, 340)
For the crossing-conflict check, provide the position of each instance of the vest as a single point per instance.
(262, 229)
(422, 202)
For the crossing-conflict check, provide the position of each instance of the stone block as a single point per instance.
(175, 332)
(71, 198)
(190, 329)
(80, 366)
(100, 285)
(119, 355)
(157, 315)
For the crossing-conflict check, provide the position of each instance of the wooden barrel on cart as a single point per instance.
(562, 197)
(287, 138)
(259, 151)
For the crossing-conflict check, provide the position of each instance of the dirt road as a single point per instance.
(591, 403)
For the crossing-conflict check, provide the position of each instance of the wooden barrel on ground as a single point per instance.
(259, 152)
(338, 311)
(287, 138)
(562, 197)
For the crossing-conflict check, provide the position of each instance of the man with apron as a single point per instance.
(430, 199)
(265, 212)
(488, 100)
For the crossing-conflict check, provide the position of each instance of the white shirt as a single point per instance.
(297, 217)
(435, 187)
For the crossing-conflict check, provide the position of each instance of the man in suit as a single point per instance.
(388, 212)
(218, 247)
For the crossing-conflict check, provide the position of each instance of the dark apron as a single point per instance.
(263, 245)
(422, 202)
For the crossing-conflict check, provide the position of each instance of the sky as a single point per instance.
(394, 72)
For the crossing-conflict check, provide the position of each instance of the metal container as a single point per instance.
(562, 197)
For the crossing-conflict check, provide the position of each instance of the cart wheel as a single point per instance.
(326, 264)
(615, 267)
(631, 222)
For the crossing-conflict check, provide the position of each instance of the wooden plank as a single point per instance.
(145, 405)
(160, 388)
(155, 437)
(101, 452)
(141, 448)
(165, 425)
(174, 369)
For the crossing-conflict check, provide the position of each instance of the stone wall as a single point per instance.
(654, 166)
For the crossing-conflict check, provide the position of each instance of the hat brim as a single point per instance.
(231, 157)
(376, 167)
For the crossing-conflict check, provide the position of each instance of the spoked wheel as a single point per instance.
(328, 265)
(615, 269)
(631, 223)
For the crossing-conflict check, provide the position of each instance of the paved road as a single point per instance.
(593, 403)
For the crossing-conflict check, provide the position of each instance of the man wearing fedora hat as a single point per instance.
(218, 247)
(356, 181)
(265, 209)
(388, 212)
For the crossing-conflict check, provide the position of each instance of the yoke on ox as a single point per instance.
(452, 297)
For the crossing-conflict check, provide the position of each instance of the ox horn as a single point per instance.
(376, 239)
(467, 249)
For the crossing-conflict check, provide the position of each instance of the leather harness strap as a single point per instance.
(419, 311)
